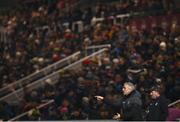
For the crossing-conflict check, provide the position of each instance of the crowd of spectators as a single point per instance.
(35, 33)
(35, 39)
(38, 38)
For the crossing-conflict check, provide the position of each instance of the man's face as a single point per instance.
(154, 94)
(126, 89)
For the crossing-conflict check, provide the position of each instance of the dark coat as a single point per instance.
(157, 109)
(132, 107)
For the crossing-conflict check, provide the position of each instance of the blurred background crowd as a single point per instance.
(144, 50)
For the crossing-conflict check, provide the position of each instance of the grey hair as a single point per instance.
(132, 86)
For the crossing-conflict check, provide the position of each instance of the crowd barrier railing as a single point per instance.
(16, 95)
(38, 107)
(71, 67)
(174, 103)
(36, 75)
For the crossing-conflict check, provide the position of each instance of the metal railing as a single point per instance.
(56, 76)
(36, 75)
(47, 70)
(174, 103)
(17, 95)
(98, 46)
(93, 48)
(38, 107)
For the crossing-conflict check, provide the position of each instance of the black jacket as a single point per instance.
(132, 107)
(157, 109)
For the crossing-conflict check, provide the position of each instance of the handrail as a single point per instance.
(38, 107)
(50, 66)
(40, 82)
(123, 15)
(87, 57)
(171, 104)
(98, 46)
(65, 68)
(27, 78)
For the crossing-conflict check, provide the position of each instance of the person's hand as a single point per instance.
(117, 116)
(99, 98)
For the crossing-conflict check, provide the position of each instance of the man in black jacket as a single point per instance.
(158, 107)
(130, 105)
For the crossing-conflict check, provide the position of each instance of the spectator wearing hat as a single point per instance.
(158, 106)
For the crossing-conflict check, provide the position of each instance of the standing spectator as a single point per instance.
(158, 107)
(131, 104)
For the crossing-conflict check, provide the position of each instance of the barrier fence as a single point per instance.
(49, 69)
(174, 103)
(36, 75)
(17, 95)
(38, 107)
(55, 77)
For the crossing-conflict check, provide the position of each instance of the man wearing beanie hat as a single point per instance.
(158, 107)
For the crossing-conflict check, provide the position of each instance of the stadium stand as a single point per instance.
(42, 79)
